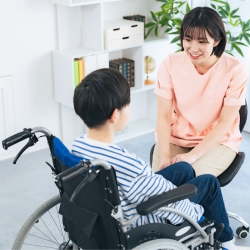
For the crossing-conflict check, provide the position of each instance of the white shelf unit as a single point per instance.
(84, 23)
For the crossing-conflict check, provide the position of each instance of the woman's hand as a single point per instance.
(165, 162)
(187, 157)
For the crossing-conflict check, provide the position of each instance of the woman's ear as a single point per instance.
(114, 115)
(216, 42)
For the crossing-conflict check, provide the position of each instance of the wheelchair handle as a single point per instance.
(79, 169)
(12, 140)
(26, 133)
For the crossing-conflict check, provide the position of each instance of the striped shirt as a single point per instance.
(136, 182)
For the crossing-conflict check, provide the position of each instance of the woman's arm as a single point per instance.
(227, 117)
(164, 114)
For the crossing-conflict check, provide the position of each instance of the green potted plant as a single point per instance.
(171, 14)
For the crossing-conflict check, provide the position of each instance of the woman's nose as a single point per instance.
(194, 46)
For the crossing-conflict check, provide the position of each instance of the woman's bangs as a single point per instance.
(196, 33)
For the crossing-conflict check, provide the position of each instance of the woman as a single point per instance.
(200, 91)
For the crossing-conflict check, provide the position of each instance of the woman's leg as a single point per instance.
(210, 197)
(214, 162)
(174, 150)
(178, 173)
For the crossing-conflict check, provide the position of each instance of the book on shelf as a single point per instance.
(115, 65)
(81, 69)
(76, 72)
(131, 71)
(119, 65)
(139, 18)
(126, 67)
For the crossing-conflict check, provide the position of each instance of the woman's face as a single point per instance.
(199, 48)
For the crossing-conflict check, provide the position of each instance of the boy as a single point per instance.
(102, 101)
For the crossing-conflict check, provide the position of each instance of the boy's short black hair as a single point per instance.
(205, 19)
(99, 94)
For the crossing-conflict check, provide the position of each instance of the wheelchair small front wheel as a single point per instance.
(43, 229)
(166, 244)
(242, 232)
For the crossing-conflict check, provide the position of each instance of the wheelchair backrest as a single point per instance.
(88, 218)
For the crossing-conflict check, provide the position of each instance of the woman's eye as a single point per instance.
(187, 39)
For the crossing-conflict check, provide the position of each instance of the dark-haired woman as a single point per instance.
(200, 91)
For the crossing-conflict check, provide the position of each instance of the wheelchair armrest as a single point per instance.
(182, 192)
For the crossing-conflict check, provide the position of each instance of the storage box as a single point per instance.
(122, 33)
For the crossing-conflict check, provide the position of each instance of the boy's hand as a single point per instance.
(165, 162)
(187, 157)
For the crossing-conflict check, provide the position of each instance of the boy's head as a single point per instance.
(100, 94)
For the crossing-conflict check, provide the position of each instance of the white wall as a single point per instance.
(28, 35)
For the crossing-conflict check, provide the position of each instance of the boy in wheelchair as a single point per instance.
(102, 102)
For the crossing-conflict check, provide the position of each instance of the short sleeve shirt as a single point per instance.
(198, 99)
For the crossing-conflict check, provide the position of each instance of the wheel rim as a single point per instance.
(47, 232)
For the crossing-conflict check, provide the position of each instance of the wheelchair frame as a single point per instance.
(195, 240)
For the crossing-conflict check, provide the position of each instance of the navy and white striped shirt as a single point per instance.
(136, 181)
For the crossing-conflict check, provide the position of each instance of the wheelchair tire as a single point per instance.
(166, 244)
(40, 227)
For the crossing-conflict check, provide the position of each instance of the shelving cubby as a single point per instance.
(80, 27)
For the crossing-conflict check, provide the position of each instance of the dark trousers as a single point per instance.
(209, 194)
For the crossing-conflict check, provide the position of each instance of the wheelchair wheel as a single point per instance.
(43, 229)
(164, 244)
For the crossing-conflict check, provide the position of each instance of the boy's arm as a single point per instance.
(148, 185)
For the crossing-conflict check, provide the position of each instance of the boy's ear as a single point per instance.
(114, 115)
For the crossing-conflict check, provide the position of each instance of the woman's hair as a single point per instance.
(204, 19)
(99, 94)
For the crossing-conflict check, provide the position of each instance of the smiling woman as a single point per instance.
(200, 91)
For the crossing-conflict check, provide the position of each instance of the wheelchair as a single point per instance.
(87, 213)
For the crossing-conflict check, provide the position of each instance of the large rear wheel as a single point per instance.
(43, 229)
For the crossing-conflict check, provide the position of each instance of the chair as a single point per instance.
(227, 176)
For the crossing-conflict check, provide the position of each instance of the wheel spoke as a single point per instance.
(46, 236)
(42, 238)
(39, 246)
(50, 231)
(56, 224)
(60, 223)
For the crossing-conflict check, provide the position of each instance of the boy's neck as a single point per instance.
(104, 134)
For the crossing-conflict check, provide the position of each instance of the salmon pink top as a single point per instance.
(198, 99)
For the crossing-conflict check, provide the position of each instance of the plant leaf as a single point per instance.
(240, 43)
(227, 7)
(187, 8)
(149, 31)
(153, 16)
(238, 49)
(156, 30)
(246, 38)
(234, 11)
(214, 6)
(177, 38)
(229, 52)
(150, 24)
